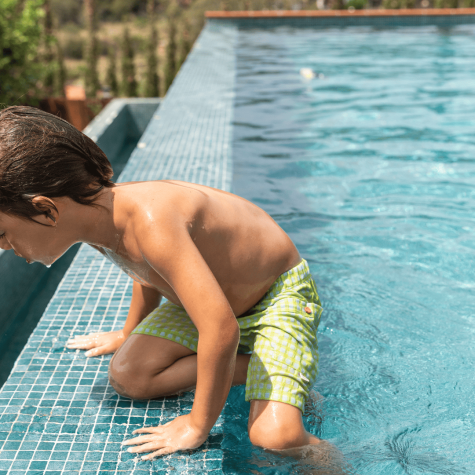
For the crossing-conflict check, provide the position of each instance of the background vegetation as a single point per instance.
(120, 47)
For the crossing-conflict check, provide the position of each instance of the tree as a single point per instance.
(54, 70)
(92, 79)
(170, 68)
(185, 43)
(60, 76)
(152, 84)
(129, 83)
(21, 28)
(111, 77)
(48, 43)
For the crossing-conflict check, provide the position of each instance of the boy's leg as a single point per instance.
(147, 367)
(277, 425)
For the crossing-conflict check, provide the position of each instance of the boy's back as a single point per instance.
(242, 245)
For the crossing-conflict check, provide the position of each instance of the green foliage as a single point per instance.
(185, 43)
(20, 36)
(338, 5)
(48, 56)
(396, 4)
(111, 75)
(446, 3)
(170, 66)
(152, 84)
(54, 72)
(67, 11)
(91, 79)
(356, 4)
(73, 47)
(60, 74)
(129, 83)
(115, 10)
(468, 3)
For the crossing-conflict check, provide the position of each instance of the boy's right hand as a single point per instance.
(97, 343)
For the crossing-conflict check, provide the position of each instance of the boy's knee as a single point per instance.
(277, 437)
(130, 381)
(276, 425)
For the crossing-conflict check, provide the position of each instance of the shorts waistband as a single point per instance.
(295, 275)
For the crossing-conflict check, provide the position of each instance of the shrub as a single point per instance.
(170, 67)
(54, 74)
(129, 83)
(185, 43)
(67, 11)
(446, 3)
(356, 4)
(20, 36)
(111, 75)
(91, 79)
(152, 85)
(73, 47)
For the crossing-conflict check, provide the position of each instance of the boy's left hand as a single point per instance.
(97, 343)
(178, 434)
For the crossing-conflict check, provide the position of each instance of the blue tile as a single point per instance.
(11, 445)
(24, 455)
(38, 465)
(20, 464)
(55, 465)
(45, 446)
(57, 455)
(72, 466)
(5, 464)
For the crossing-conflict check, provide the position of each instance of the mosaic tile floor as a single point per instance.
(58, 413)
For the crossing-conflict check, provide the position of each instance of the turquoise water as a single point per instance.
(371, 170)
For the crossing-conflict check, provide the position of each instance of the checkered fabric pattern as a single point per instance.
(280, 332)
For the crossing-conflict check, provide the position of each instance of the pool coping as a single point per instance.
(416, 12)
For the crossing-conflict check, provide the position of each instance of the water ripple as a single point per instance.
(371, 171)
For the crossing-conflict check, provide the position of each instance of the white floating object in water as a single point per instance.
(141, 145)
(307, 73)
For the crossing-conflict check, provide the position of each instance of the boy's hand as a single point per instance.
(97, 343)
(178, 434)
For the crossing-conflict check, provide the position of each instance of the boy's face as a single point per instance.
(31, 240)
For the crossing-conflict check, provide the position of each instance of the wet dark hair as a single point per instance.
(43, 155)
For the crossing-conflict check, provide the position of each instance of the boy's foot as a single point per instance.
(322, 459)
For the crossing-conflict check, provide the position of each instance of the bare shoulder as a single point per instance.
(149, 201)
(160, 209)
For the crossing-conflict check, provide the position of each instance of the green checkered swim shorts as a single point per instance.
(280, 331)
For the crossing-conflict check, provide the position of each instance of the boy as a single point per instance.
(242, 307)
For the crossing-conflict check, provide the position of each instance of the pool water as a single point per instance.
(370, 168)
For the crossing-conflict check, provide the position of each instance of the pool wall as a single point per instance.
(58, 413)
(442, 17)
(26, 289)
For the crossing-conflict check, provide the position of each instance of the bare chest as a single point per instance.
(140, 271)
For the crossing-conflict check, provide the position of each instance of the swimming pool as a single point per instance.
(370, 167)
(395, 349)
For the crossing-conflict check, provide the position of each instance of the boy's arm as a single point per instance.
(144, 300)
(195, 285)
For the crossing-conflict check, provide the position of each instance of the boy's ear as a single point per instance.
(48, 212)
